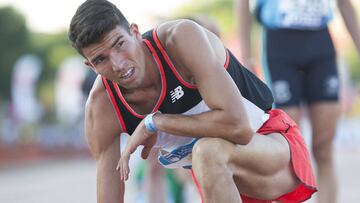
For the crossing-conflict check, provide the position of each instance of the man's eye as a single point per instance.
(120, 44)
(98, 61)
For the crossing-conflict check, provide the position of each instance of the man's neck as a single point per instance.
(144, 98)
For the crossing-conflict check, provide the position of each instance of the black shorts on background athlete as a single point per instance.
(301, 65)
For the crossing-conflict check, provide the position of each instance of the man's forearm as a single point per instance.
(350, 19)
(110, 189)
(208, 124)
(244, 19)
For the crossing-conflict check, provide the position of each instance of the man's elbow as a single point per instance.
(242, 135)
(94, 148)
(94, 151)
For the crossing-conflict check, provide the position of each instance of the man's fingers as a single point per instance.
(123, 167)
(120, 170)
(119, 164)
(125, 171)
(145, 152)
(148, 146)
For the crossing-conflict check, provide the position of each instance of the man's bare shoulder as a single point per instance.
(176, 33)
(101, 124)
(168, 30)
(97, 94)
(98, 106)
(175, 37)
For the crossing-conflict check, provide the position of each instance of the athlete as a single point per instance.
(299, 63)
(177, 88)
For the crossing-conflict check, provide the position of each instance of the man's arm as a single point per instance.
(102, 132)
(244, 19)
(203, 59)
(348, 13)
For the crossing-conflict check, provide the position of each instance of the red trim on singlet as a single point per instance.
(163, 78)
(227, 61)
(163, 82)
(117, 89)
(168, 61)
(113, 101)
(171, 65)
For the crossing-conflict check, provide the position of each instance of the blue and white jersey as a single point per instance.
(294, 14)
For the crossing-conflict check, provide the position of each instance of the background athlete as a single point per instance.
(299, 62)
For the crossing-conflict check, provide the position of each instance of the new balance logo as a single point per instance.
(176, 94)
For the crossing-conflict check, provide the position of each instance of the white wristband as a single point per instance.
(149, 123)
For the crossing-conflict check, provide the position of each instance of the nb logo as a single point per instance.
(176, 94)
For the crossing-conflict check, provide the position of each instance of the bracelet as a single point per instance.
(149, 123)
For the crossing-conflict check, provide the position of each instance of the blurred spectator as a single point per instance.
(25, 111)
(68, 91)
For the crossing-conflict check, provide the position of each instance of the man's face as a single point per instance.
(119, 57)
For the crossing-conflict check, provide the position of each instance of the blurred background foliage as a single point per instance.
(221, 11)
(16, 39)
(353, 61)
(52, 50)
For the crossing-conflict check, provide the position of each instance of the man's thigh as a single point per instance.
(262, 169)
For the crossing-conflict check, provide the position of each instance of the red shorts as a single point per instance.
(281, 123)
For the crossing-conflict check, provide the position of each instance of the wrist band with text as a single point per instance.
(149, 123)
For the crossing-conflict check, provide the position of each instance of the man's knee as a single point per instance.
(210, 152)
(322, 152)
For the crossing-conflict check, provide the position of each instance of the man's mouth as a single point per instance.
(128, 73)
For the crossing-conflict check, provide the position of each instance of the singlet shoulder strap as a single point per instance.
(111, 91)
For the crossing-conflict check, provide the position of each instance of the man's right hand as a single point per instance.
(139, 137)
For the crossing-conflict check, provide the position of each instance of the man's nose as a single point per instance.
(117, 62)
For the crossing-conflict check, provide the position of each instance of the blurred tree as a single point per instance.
(14, 42)
(53, 49)
(221, 11)
(352, 58)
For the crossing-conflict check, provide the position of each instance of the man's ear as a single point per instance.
(134, 30)
(89, 65)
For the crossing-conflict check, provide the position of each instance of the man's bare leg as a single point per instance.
(323, 120)
(260, 169)
(210, 166)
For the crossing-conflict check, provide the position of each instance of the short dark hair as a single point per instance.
(92, 20)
